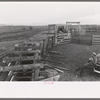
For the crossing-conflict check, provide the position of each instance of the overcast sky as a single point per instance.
(43, 13)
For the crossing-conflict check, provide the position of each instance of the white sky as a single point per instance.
(42, 13)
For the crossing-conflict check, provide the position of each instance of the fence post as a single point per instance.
(42, 54)
(91, 39)
(52, 41)
(47, 45)
(55, 36)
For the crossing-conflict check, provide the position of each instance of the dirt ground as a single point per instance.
(75, 56)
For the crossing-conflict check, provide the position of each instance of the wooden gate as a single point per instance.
(47, 44)
(96, 40)
(63, 38)
(51, 42)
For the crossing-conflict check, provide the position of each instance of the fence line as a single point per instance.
(63, 38)
(96, 40)
(50, 41)
(82, 39)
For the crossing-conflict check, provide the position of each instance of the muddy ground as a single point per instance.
(75, 56)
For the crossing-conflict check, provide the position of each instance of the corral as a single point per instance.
(62, 50)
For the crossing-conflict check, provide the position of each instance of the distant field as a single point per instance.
(9, 35)
(7, 44)
(13, 29)
(19, 32)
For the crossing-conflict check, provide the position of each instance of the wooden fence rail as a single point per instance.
(63, 38)
(82, 39)
(96, 40)
(50, 41)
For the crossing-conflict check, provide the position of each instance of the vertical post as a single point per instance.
(79, 27)
(32, 77)
(56, 34)
(52, 41)
(9, 76)
(67, 27)
(36, 73)
(42, 52)
(48, 43)
(92, 37)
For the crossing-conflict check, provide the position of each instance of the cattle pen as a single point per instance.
(50, 58)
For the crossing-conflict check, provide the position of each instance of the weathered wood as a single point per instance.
(54, 78)
(24, 52)
(96, 36)
(36, 73)
(9, 49)
(20, 67)
(10, 74)
(96, 40)
(21, 72)
(19, 77)
(62, 68)
(11, 59)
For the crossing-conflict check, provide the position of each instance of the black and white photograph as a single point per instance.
(49, 41)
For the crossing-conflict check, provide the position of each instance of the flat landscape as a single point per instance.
(9, 35)
(73, 55)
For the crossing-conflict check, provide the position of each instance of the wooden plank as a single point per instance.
(54, 78)
(10, 74)
(11, 59)
(24, 52)
(20, 67)
(95, 41)
(20, 72)
(94, 36)
(64, 34)
(64, 41)
(20, 77)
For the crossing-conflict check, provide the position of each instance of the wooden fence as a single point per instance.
(9, 49)
(82, 39)
(96, 40)
(51, 42)
(63, 38)
(47, 44)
